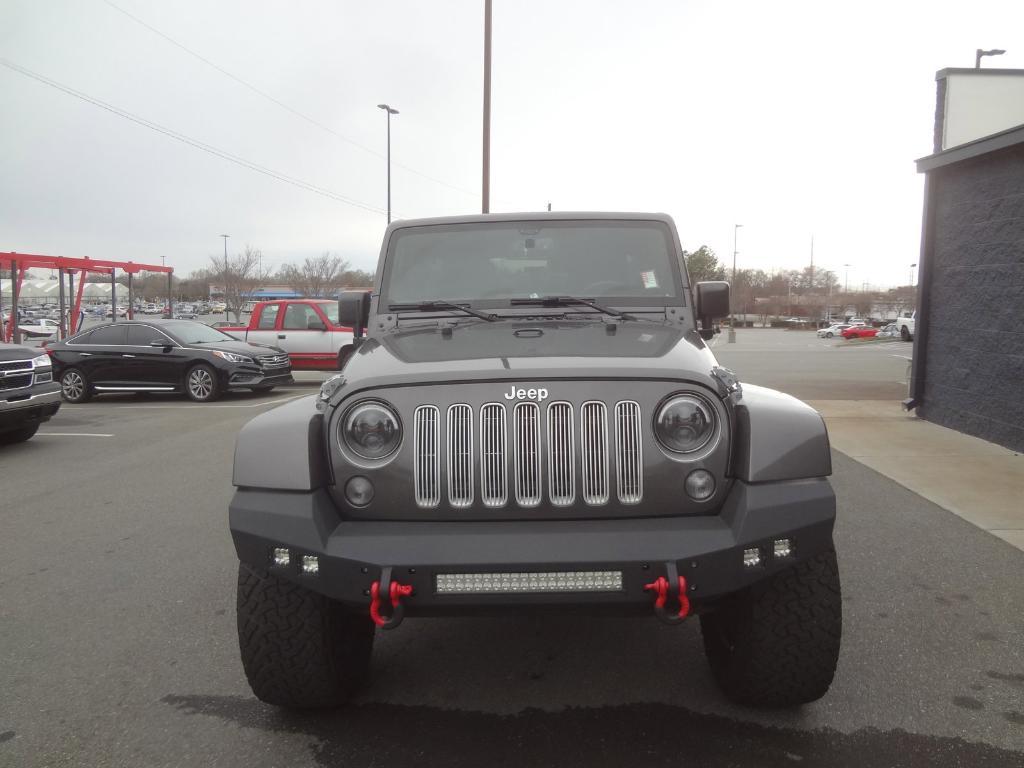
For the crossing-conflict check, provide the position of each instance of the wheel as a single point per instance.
(343, 355)
(201, 384)
(299, 649)
(904, 333)
(776, 644)
(18, 435)
(74, 387)
(829, 335)
(263, 389)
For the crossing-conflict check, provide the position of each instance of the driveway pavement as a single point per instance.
(118, 647)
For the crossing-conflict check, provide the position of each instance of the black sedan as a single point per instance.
(164, 356)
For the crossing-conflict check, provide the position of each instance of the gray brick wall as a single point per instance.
(974, 378)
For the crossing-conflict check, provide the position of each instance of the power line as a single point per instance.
(190, 141)
(284, 106)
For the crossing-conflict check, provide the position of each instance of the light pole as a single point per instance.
(846, 283)
(991, 52)
(227, 313)
(732, 320)
(391, 111)
(485, 193)
(912, 266)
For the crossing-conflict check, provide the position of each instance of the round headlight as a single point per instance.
(372, 430)
(684, 424)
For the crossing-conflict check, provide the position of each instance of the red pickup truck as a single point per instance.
(307, 329)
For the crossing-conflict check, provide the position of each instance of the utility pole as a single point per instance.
(486, 192)
(732, 319)
(391, 111)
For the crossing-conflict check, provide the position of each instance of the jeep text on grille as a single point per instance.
(531, 419)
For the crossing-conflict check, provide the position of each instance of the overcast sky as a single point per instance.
(789, 118)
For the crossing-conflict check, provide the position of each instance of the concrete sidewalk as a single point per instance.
(979, 481)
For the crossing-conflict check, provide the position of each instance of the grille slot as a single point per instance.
(16, 365)
(594, 452)
(460, 455)
(526, 453)
(561, 455)
(493, 455)
(427, 459)
(16, 382)
(628, 452)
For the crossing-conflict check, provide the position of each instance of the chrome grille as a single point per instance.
(427, 464)
(526, 453)
(534, 454)
(628, 452)
(16, 365)
(460, 455)
(561, 455)
(594, 452)
(493, 451)
(274, 361)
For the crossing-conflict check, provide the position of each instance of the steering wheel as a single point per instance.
(598, 288)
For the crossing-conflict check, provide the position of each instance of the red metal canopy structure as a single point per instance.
(19, 263)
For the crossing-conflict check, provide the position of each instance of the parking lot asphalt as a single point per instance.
(118, 646)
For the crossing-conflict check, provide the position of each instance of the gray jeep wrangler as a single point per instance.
(534, 421)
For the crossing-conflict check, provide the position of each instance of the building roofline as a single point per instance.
(983, 146)
(942, 74)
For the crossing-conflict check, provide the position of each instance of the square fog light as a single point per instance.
(782, 548)
(281, 556)
(310, 565)
(751, 557)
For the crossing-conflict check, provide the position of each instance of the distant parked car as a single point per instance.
(891, 331)
(833, 330)
(185, 312)
(859, 332)
(164, 356)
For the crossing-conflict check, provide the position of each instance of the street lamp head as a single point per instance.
(390, 110)
(992, 52)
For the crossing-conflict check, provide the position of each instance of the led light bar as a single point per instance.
(553, 581)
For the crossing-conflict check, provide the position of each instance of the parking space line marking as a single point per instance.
(71, 434)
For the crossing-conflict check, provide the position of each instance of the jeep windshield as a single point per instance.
(501, 264)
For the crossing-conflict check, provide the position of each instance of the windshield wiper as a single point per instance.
(562, 301)
(425, 306)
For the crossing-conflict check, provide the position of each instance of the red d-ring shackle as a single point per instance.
(660, 587)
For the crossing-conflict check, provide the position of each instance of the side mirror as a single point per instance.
(712, 299)
(354, 311)
(159, 343)
(315, 324)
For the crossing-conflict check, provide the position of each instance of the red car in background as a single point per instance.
(859, 332)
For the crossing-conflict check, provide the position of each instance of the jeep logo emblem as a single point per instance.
(540, 395)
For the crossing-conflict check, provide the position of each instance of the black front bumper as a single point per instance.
(707, 550)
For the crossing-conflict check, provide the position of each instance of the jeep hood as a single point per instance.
(531, 350)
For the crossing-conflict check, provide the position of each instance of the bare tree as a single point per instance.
(318, 276)
(240, 276)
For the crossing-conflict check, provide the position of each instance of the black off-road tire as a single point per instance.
(299, 649)
(905, 334)
(343, 355)
(18, 435)
(776, 644)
